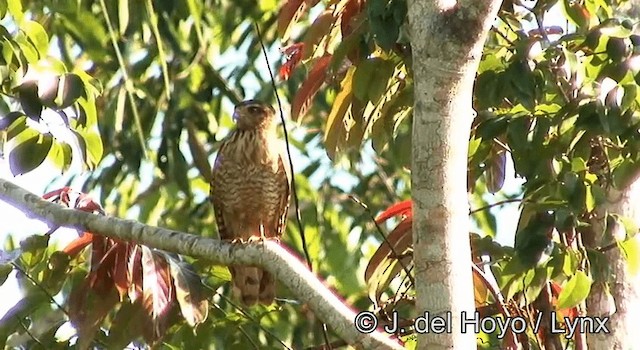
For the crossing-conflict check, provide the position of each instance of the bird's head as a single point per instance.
(253, 114)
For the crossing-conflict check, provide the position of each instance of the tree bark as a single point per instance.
(272, 256)
(622, 302)
(447, 38)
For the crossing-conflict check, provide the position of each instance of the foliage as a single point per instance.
(151, 87)
(158, 82)
(561, 102)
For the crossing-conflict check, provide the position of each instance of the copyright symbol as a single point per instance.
(365, 322)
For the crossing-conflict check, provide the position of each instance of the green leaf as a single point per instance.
(71, 88)
(631, 252)
(91, 146)
(535, 280)
(29, 154)
(578, 164)
(5, 270)
(56, 273)
(630, 227)
(335, 133)
(590, 201)
(3, 9)
(577, 13)
(33, 249)
(575, 290)
(60, 155)
(15, 9)
(123, 16)
(362, 78)
(38, 36)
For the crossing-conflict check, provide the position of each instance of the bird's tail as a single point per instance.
(252, 284)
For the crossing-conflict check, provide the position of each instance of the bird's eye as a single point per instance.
(254, 109)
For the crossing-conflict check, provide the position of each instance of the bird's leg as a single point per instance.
(262, 237)
(258, 238)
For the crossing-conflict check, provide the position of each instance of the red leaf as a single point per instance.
(290, 13)
(310, 87)
(190, 294)
(134, 273)
(157, 288)
(400, 239)
(293, 55)
(78, 244)
(102, 260)
(402, 208)
(119, 270)
(86, 203)
(351, 9)
(87, 310)
(57, 192)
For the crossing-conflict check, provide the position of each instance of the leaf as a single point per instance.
(29, 154)
(496, 164)
(349, 17)
(535, 280)
(71, 88)
(127, 325)
(9, 119)
(94, 148)
(87, 310)
(15, 9)
(37, 35)
(5, 270)
(290, 13)
(198, 152)
(631, 252)
(56, 272)
(189, 293)
(335, 132)
(316, 33)
(362, 78)
(157, 289)
(382, 277)
(309, 88)
(78, 244)
(293, 56)
(575, 291)
(123, 16)
(400, 238)
(577, 13)
(403, 208)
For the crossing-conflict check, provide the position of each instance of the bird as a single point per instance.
(250, 187)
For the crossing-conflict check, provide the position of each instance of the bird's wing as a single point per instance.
(284, 175)
(215, 194)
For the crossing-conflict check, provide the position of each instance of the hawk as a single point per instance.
(250, 188)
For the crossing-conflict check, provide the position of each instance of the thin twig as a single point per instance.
(37, 284)
(386, 241)
(255, 346)
(128, 85)
(286, 140)
(293, 181)
(26, 329)
(489, 206)
(247, 315)
(153, 18)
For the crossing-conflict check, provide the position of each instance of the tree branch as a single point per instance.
(272, 256)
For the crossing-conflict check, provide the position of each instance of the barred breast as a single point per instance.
(249, 184)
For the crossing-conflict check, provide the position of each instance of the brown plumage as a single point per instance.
(250, 192)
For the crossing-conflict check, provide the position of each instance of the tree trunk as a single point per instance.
(621, 303)
(447, 38)
(624, 288)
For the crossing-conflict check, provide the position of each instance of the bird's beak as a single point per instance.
(235, 115)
